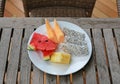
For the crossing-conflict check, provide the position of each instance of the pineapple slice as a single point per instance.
(59, 57)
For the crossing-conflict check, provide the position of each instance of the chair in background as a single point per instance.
(58, 8)
(2, 6)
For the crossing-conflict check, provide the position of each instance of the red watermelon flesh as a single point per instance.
(34, 41)
(51, 45)
(35, 37)
(42, 43)
(41, 46)
(47, 45)
(46, 53)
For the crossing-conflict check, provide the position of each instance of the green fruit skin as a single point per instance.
(46, 58)
(31, 48)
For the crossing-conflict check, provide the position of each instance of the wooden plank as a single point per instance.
(22, 22)
(102, 68)
(98, 23)
(110, 4)
(90, 67)
(13, 9)
(78, 77)
(50, 79)
(112, 56)
(106, 8)
(117, 35)
(25, 68)
(7, 14)
(4, 48)
(98, 13)
(65, 79)
(85, 23)
(18, 4)
(38, 76)
(13, 62)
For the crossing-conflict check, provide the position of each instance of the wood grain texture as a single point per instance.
(11, 76)
(50, 79)
(65, 79)
(112, 56)
(23, 22)
(117, 35)
(37, 77)
(90, 67)
(25, 68)
(105, 9)
(4, 46)
(14, 8)
(78, 77)
(82, 22)
(101, 61)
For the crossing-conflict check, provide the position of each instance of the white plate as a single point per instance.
(76, 64)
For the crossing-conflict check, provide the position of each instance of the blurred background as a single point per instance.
(102, 9)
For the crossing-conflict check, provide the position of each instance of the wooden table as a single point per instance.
(16, 67)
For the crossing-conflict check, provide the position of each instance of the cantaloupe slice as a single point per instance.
(50, 32)
(58, 32)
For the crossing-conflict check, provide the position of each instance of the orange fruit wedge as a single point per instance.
(50, 32)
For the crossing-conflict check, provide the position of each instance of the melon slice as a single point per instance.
(58, 32)
(41, 42)
(50, 32)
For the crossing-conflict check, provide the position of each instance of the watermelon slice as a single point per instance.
(41, 42)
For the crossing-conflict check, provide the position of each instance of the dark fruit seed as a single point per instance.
(46, 40)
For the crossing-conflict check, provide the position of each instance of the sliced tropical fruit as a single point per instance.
(41, 42)
(60, 57)
(58, 32)
(50, 32)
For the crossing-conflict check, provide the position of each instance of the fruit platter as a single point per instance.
(59, 47)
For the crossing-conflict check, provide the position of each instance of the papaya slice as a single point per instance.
(58, 32)
(50, 32)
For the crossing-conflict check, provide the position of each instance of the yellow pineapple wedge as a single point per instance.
(60, 57)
